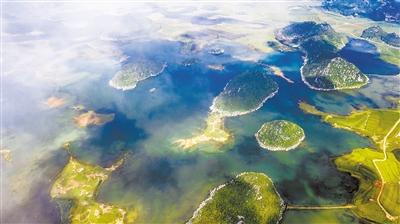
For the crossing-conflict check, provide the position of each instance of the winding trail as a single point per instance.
(296, 207)
(374, 161)
(383, 146)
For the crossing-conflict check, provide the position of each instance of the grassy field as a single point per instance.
(93, 212)
(389, 54)
(79, 182)
(359, 164)
(280, 135)
(378, 170)
(371, 123)
(250, 198)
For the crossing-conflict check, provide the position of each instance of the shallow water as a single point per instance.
(165, 183)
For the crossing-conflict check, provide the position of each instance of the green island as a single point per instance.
(280, 135)
(244, 94)
(323, 69)
(248, 198)
(378, 170)
(79, 182)
(132, 73)
(333, 74)
(296, 33)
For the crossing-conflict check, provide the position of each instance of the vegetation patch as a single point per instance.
(371, 123)
(280, 135)
(389, 54)
(248, 198)
(134, 72)
(378, 170)
(79, 182)
(323, 67)
(244, 94)
(378, 34)
(359, 163)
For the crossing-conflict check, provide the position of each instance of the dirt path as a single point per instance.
(375, 161)
(388, 215)
(295, 207)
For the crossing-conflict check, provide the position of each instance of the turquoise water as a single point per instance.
(165, 183)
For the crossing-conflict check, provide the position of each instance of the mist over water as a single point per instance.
(74, 59)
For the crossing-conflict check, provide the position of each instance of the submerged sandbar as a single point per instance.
(53, 102)
(214, 132)
(92, 118)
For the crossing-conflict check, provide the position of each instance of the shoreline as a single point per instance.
(124, 88)
(215, 190)
(279, 35)
(239, 113)
(326, 90)
(214, 123)
(270, 148)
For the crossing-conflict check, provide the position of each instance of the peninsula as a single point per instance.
(378, 170)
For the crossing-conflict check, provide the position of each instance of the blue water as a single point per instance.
(156, 174)
(366, 57)
(167, 184)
